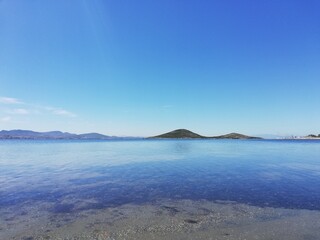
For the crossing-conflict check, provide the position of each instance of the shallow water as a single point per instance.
(70, 178)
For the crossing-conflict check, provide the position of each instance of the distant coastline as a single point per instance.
(58, 135)
(176, 134)
(309, 137)
(55, 135)
(301, 138)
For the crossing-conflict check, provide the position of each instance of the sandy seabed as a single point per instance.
(164, 219)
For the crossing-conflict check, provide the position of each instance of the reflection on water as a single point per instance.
(71, 176)
(182, 147)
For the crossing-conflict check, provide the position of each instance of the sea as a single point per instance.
(160, 189)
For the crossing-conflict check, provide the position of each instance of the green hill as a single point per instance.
(235, 136)
(179, 133)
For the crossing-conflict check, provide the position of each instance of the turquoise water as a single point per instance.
(66, 174)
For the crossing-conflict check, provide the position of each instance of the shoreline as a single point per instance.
(164, 219)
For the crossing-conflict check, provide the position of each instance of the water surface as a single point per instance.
(66, 177)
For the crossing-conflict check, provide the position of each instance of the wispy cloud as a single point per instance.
(9, 100)
(20, 111)
(5, 119)
(31, 109)
(59, 111)
(63, 112)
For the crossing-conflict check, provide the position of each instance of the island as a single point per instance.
(187, 134)
(179, 133)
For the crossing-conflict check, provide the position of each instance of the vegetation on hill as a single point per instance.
(235, 136)
(184, 133)
(180, 133)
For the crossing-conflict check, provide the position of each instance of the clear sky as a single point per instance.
(146, 67)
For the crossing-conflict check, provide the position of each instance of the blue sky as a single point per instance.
(146, 67)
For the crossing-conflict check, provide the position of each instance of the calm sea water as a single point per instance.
(278, 173)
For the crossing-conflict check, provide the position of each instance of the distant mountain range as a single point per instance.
(184, 133)
(27, 134)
